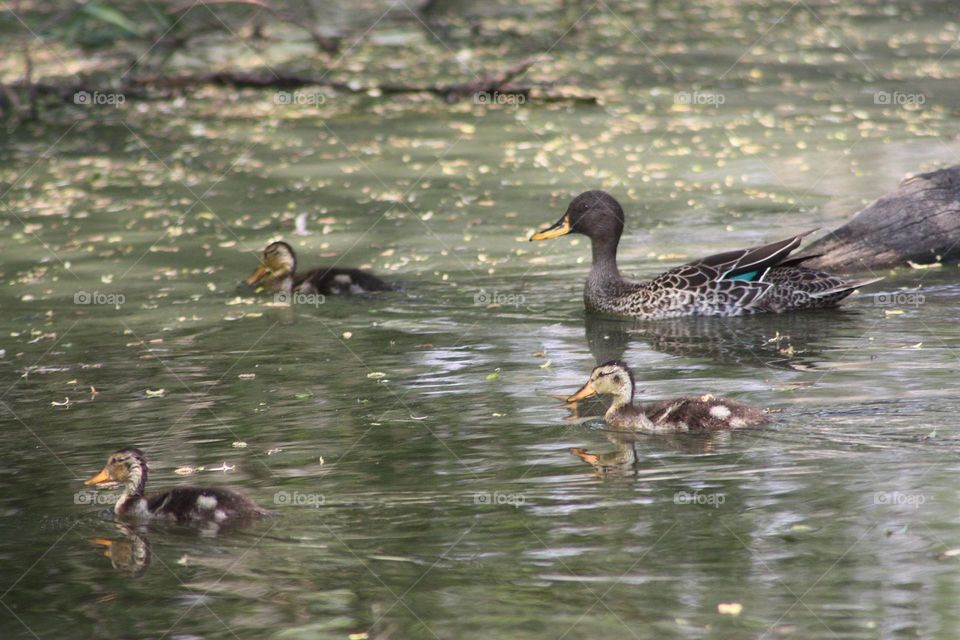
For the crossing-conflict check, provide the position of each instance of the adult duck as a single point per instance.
(744, 281)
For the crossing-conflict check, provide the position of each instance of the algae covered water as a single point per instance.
(410, 442)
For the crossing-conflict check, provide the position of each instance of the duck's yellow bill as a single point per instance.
(258, 275)
(583, 454)
(586, 391)
(561, 228)
(100, 478)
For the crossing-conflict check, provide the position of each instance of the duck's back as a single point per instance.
(335, 280)
(186, 504)
(705, 413)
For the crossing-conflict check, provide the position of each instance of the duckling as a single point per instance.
(183, 504)
(744, 281)
(681, 415)
(278, 272)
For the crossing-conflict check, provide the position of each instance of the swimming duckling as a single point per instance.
(681, 415)
(278, 272)
(183, 504)
(739, 282)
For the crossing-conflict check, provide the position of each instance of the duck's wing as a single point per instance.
(700, 291)
(750, 264)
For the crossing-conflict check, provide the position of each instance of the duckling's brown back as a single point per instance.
(705, 413)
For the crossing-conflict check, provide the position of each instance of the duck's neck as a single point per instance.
(604, 267)
(623, 414)
(277, 284)
(133, 490)
(285, 283)
(621, 400)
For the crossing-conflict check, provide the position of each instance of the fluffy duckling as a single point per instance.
(681, 415)
(278, 272)
(183, 504)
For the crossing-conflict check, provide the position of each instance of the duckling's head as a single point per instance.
(596, 214)
(278, 261)
(612, 378)
(126, 466)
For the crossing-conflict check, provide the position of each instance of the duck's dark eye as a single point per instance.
(618, 379)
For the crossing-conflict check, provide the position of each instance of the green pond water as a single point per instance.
(421, 472)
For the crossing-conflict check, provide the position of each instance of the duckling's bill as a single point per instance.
(258, 275)
(586, 391)
(560, 228)
(100, 478)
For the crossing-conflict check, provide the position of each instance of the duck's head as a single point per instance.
(277, 262)
(596, 214)
(126, 466)
(612, 378)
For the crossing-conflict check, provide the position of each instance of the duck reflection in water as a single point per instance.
(130, 554)
(791, 341)
(624, 460)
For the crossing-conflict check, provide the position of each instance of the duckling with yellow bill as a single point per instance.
(680, 415)
(744, 281)
(128, 467)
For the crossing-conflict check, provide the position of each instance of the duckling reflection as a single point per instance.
(130, 555)
(782, 342)
(624, 460)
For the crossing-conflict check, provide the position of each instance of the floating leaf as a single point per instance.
(729, 608)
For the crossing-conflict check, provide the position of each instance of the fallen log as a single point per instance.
(918, 223)
(488, 86)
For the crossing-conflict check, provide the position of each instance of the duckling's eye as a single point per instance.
(618, 379)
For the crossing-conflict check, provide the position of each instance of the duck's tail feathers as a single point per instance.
(845, 289)
(799, 260)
